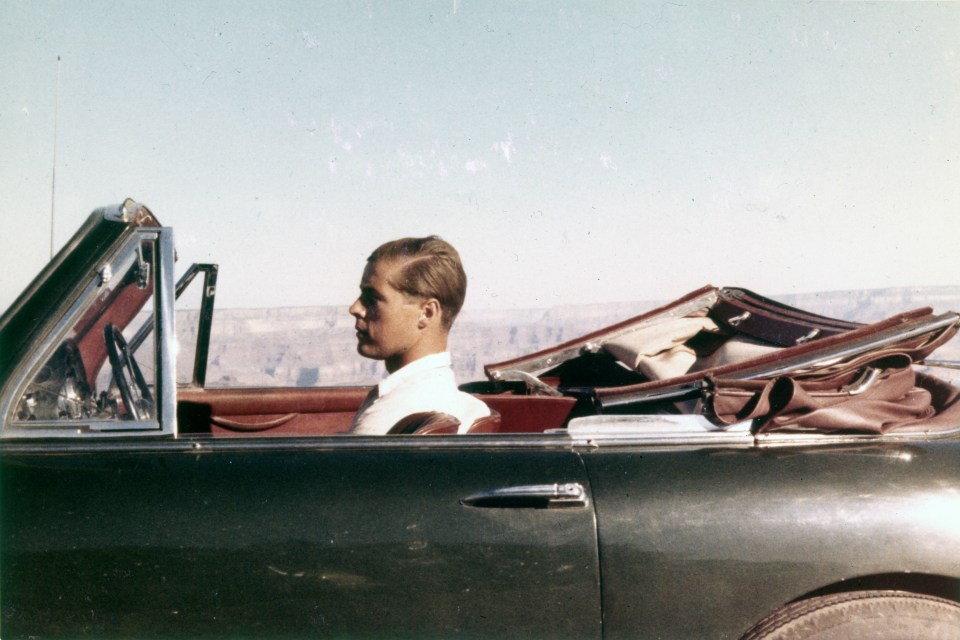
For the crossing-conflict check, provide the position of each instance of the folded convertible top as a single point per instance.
(716, 338)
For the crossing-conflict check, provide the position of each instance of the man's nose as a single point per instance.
(356, 309)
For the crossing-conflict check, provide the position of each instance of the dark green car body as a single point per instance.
(116, 525)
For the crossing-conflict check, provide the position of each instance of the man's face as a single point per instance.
(386, 319)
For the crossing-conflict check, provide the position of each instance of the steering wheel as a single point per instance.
(137, 400)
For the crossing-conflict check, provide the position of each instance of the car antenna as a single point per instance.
(53, 174)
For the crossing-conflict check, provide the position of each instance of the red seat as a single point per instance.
(487, 424)
(434, 423)
(426, 423)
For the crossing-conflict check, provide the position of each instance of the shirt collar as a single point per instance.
(415, 368)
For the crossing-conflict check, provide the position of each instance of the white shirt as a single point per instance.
(426, 384)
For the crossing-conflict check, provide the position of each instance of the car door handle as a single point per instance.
(532, 496)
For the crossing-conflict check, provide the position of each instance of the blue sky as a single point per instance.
(573, 151)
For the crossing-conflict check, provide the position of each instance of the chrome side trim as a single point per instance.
(207, 445)
(679, 430)
(100, 443)
(787, 439)
(942, 364)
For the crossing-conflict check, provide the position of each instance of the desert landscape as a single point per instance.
(315, 346)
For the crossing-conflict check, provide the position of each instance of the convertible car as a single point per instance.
(724, 466)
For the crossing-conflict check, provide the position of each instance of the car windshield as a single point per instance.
(100, 370)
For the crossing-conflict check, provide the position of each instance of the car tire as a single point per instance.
(878, 615)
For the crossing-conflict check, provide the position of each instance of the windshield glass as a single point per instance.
(100, 370)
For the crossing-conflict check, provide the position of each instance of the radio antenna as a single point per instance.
(53, 174)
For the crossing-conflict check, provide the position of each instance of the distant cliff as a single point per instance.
(315, 346)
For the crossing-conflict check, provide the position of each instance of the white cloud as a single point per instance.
(309, 41)
(346, 136)
(474, 166)
(339, 139)
(506, 148)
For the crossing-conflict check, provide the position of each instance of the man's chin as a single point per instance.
(367, 352)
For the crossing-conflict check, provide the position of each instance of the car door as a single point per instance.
(328, 537)
(703, 535)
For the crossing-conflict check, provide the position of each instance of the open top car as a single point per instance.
(723, 466)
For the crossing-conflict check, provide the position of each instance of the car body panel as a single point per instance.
(703, 542)
(601, 508)
(288, 538)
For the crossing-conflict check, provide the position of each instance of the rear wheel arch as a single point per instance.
(939, 586)
(876, 614)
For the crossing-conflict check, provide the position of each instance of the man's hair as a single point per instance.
(430, 268)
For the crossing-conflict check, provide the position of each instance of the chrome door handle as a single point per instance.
(532, 496)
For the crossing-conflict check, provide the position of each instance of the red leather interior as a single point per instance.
(268, 411)
(488, 424)
(529, 414)
(426, 423)
(310, 411)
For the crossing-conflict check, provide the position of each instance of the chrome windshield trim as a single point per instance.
(166, 378)
(92, 221)
(69, 313)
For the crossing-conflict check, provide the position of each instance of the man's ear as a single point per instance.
(430, 312)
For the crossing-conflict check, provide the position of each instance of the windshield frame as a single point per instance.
(71, 311)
